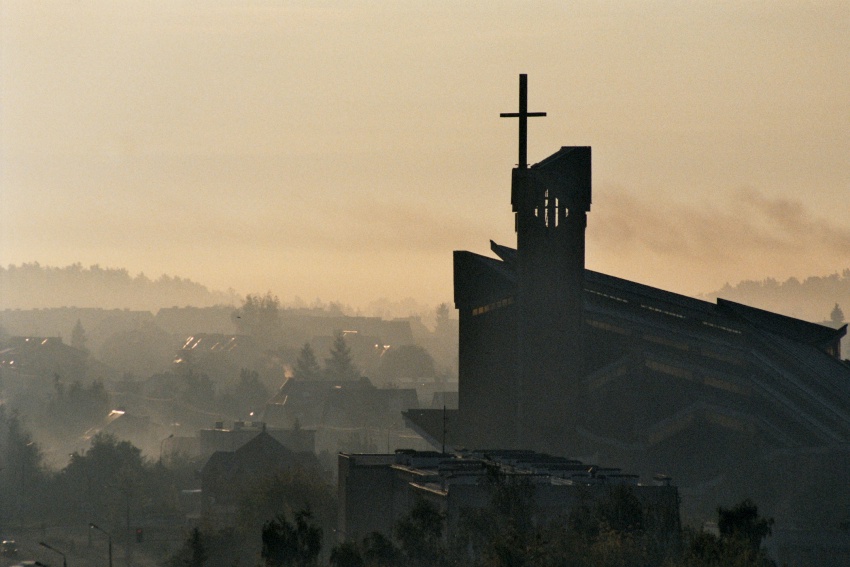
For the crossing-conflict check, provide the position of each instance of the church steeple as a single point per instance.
(550, 200)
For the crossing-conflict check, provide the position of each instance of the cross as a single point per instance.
(523, 115)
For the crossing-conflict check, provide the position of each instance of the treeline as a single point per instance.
(609, 533)
(141, 502)
(288, 518)
(32, 286)
(812, 299)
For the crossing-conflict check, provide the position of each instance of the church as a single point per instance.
(729, 401)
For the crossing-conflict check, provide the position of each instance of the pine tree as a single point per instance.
(340, 366)
(837, 315)
(78, 337)
(307, 367)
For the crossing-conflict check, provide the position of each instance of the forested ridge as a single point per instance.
(32, 286)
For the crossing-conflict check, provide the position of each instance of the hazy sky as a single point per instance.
(344, 149)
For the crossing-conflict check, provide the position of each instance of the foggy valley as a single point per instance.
(314, 284)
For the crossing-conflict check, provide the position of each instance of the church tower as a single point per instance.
(550, 200)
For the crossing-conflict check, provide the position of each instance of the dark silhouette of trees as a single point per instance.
(742, 522)
(339, 366)
(347, 554)
(443, 325)
(78, 337)
(379, 551)
(420, 535)
(74, 409)
(742, 531)
(23, 476)
(374, 550)
(108, 478)
(259, 317)
(306, 366)
(245, 395)
(806, 298)
(291, 544)
(287, 492)
(35, 286)
(836, 317)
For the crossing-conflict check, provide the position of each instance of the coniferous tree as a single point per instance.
(78, 337)
(340, 366)
(837, 315)
(307, 367)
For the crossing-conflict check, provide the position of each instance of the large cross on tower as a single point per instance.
(523, 115)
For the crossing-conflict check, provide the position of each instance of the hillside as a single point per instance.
(32, 286)
(812, 299)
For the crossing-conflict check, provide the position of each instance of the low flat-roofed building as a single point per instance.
(377, 490)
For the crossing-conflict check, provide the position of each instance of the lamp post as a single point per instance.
(51, 548)
(108, 535)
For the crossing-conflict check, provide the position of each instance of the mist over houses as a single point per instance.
(561, 399)
(185, 369)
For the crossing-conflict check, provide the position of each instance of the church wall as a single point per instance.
(487, 363)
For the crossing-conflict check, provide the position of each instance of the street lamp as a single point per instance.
(107, 534)
(64, 561)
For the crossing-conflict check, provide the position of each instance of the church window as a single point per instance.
(491, 306)
(722, 328)
(605, 295)
(664, 311)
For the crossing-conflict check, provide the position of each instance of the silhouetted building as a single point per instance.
(339, 404)
(228, 474)
(221, 438)
(377, 490)
(727, 399)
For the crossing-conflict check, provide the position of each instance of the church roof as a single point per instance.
(480, 280)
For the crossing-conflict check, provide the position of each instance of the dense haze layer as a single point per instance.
(343, 150)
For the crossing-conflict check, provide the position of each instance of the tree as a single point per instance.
(78, 337)
(378, 550)
(110, 476)
(374, 550)
(244, 396)
(307, 367)
(286, 544)
(340, 366)
(347, 554)
(259, 317)
(22, 467)
(741, 533)
(743, 522)
(75, 408)
(420, 534)
(286, 493)
(837, 316)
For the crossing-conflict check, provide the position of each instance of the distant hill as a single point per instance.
(33, 286)
(811, 299)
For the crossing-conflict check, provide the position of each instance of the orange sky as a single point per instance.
(342, 150)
